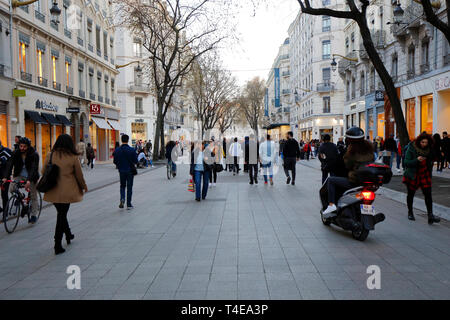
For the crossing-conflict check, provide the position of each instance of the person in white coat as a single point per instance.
(235, 151)
(267, 155)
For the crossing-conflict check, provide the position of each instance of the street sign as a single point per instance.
(379, 95)
(95, 109)
(73, 110)
(19, 93)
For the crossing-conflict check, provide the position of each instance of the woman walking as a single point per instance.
(437, 151)
(213, 147)
(419, 165)
(200, 169)
(90, 155)
(69, 188)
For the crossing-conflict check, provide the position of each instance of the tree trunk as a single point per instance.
(159, 125)
(391, 91)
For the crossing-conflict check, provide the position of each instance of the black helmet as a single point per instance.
(25, 140)
(354, 133)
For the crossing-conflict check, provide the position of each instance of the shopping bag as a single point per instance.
(191, 186)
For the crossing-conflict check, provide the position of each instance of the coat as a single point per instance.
(411, 162)
(70, 185)
(31, 164)
(353, 161)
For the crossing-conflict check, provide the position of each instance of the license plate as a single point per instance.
(367, 209)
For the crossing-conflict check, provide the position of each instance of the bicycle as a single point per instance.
(18, 206)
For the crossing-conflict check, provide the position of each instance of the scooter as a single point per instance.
(355, 210)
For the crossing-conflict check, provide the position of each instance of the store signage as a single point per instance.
(73, 110)
(95, 109)
(379, 95)
(442, 83)
(40, 104)
(277, 87)
(19, 93)
(139, 120)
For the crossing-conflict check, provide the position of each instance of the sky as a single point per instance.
(260, 32)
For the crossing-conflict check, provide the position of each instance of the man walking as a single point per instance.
(252, 158)
(125, 158)
(328, 156)
(391, 146)
(24, 166)
(235, 151)
(445, 150)
(291, 154)
(81, 149)
(5, 155)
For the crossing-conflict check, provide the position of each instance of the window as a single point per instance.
(138, 106)
(91, 83)
(426, 121)
(137, 78)
(326, 2)
(326, 23)
(411, 62)
(326, 49)
(425, 66)
(99, 84)
(23, 54)
(362, 84)
(347, 90)
(112, 89)
(394, 71)
(97, 38)
(105, 44)
(326, 104)
(80, 29)
(346, 45)
(40, 51)
(54, 68)
(352, 37)
(353, 87)
(67, 67)
(411, 117)
(80, 76)
(89, 29)
(137, 47)
(106, 87)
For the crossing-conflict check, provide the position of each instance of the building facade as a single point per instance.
(318, 92)
(64, 76)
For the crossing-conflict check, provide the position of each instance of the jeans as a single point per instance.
(90, 162)
(325, 175)
(253, 172)
(428, 199)
(213, 174)
(198, 175)
(334, 183)
(174, 166)
(289, 164)
(267, 171)
(236, 164)
(5, 195)
(399, 160)
(62, 225)
(126, 181)
(391, 158)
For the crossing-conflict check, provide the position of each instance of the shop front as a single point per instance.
(4, 123)
(112, 117)
(104, 131)
(375, 115)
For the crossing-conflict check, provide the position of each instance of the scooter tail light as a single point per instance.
(368, 196)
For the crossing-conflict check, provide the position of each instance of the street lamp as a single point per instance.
(334, 63)
(138, 69)
(398, 12)
(55, 12)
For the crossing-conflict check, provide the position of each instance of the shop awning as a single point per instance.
(35, 117)
(276, 125)
(63, 119)
(115, 124)
(101, 123)
(50, 118)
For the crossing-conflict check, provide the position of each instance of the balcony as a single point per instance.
(42, 81)
(325, 86)
(114, 103)
(100, 99)
(362, 92)
(410, 74)
(284, 57)
(81, 93)
(446, 59)
(286, 91)
(40, 16)
(106, 57)
(26, 76)
(2, 70)
(424, 68)
(80, 41)
(362, 51)
(24, 8)
(92, 96)
(379, 39)
(107, 101)
(286, 73)
(90, 47)
(56, 85)
(54, 25)
(344, 65)
(139, 87)
(326, 28)
(69, 90)
(99, 52)
(97, 7)
(67, 33)
(112, 61)
(372, 87)
(411, 20)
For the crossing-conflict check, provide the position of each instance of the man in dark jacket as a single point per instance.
(291, 154)
(24, 166)
(125, 158)
(445, 144)
(391, 146)
(5, 155)
(328, 156)
(252, 158)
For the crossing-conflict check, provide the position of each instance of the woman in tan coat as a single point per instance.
(69, 187)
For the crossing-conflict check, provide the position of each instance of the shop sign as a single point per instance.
(442, 83)
(19, 93)
(73, 110)
(379, 95)
(95, 108)
(40, 104)
(139, 120)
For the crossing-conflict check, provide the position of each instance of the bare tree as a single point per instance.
(228, 114)
(174, 33)
(212, 87)
(251, 102)
(358, 14)
(433, 19)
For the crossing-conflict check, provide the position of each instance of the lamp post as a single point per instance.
(334, 63)
(138, 68)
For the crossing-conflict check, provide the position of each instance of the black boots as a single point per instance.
(69, 236)
(411, 216)
(58, 248)
(433, 219)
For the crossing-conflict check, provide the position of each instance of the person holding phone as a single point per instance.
(419, 165)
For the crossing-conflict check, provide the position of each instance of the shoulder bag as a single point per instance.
(49, 178)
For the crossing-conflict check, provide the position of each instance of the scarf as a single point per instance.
(422, 152)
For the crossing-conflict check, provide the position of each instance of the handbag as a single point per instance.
(218, 167)
(49, 178)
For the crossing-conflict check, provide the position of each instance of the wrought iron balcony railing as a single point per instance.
(56, 85)
(69, 90)
(42, 81)
(26, 76)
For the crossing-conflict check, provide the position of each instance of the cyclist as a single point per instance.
(5, 155)
(24, 166)
(171, 155)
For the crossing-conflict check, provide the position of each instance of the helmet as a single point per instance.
(25, 140)
(354, 133)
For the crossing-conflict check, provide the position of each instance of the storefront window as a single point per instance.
(362, 121)
(3, 130)
(411, 118)
(370, 123)
(138, 131)
(380, 125)
(426, 114)
(93, 133)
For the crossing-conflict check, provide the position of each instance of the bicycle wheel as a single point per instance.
(11, 215)
(169, 171)
(38, 206)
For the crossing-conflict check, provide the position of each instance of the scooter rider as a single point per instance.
(358, 151)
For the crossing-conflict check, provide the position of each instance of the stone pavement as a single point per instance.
(243, 242)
